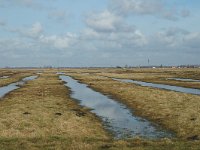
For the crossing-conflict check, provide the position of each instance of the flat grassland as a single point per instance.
(41, 114)
(13, 75)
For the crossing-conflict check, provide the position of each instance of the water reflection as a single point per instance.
(162, 86)
(4, 77)
(6, 89)
(116, 117)
(181, 79)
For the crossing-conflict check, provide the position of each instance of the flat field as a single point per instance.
(42, 115)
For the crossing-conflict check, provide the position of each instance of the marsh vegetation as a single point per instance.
(42, 114)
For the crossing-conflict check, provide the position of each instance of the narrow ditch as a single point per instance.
(183, 79)
(162, 86)
(13, 86)
(116, 117)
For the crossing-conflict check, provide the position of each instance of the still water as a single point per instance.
(162, 86)
(6, 89)
(116, 117)
(182, 79)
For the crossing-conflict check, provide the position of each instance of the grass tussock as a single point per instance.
(41, 115)
(160, 75)
(175, 111)
(13, 76)
(43, 109)
(60, 143)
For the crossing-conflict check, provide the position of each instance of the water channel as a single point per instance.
(162, 86)
(116, 117)
(182, 79)
(13, 86)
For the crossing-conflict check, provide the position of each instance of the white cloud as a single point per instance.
(89, 34)
(171, 36)
(36, 34)
(170, 15)
(110, 31)
(136, 6)
(104, 21)
(147, 7)
(33, 32)
(16, 47)
(178, 38)
(192, 40)
(58, 42)
(114, 41)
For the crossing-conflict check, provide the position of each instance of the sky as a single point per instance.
(99, 33)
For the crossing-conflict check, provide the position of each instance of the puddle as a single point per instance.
(29, 78)
(162, 86)
(4, 77)
(115, 116)
(182, 79)
(6, 89)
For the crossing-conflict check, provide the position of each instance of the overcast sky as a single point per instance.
(77, 33)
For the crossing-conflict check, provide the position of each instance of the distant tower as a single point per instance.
(148, 61)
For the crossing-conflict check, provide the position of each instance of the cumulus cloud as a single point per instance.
(103, 21)
(192, 40)
(136, 6)
(109, 36)
(147, 7)
(16, 47)
(110, 30)
(170, 37)
(58, 42)
(42, 47)
(169, 15)
(114, 41)
(178, 38)
(33, 32)
(37, 35)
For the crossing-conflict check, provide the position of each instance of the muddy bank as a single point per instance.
(160, 77)
(42, 116)
(175, 111)
(116, 117)
(42, 109)
(14, 77)
(6, 89)
(162, 86)
(182, 79)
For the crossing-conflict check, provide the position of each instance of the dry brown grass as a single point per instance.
(43, 109)
(178, 112)
(41, 115)
(156, 75)
(14, 75)
(149, 75)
